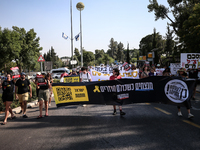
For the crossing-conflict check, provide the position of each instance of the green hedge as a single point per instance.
(16, 102)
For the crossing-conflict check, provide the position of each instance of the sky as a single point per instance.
(127, 21)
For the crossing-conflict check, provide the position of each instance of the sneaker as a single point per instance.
(25, 116)
(122, 113)
(180, 114)
(84, 105)
(49, 104)
(190, 115)
(114, 113)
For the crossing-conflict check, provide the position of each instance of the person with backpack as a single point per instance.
(44, 95)
(84, 75)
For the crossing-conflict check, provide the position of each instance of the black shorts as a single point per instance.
(7, 97)
(187, 104)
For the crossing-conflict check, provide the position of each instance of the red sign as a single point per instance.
(40, 59)
(15, 71)
(41, 80)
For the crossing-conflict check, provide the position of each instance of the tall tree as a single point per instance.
(181, 11)
(127, 56)
(10, 47)
(169, 46)
(190, 34)
(99, 54)
(87, 57)
(21, 46)
(113, 48)
(120, 53)
(152, 42)
(107, 59)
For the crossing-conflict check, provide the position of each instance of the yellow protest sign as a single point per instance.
(69, 94)
(71, 79)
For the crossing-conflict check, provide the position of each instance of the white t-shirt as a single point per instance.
(85, 77)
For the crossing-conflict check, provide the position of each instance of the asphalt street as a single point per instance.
(145, 126)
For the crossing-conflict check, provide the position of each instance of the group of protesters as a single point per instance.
(23, 89)
(147, 71)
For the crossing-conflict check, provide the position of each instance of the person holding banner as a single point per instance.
(183, 74)
(44, 95)
(73, 73)
(7, 87)
(116, 76)
(21, 92)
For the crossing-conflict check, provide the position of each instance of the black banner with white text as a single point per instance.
(155, 89)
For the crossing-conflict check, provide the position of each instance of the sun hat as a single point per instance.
(182, 69)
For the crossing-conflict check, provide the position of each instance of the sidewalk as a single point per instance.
(18, 109)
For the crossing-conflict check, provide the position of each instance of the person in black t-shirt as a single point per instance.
(21, 92)
(7, 87)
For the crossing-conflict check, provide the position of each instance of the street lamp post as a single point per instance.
(71, 32)
(80, 6)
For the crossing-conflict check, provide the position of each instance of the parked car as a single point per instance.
(32, 77)
(56, 73)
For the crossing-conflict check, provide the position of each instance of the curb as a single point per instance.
(17, 110)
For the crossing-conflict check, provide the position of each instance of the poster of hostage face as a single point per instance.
(15, 72)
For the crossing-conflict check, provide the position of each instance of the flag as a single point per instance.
(77, 37)
(64, 36)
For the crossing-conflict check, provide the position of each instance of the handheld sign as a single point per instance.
(126, 66)
(41, 80)
(71, 79)
(16, 73)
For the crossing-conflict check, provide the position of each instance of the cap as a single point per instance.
(158, 65)
(22, 73)
(73, 69)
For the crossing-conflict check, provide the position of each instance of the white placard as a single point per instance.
(73, 62)
(104, 73)
(174, 67)
(159, 71)
(190, 60)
